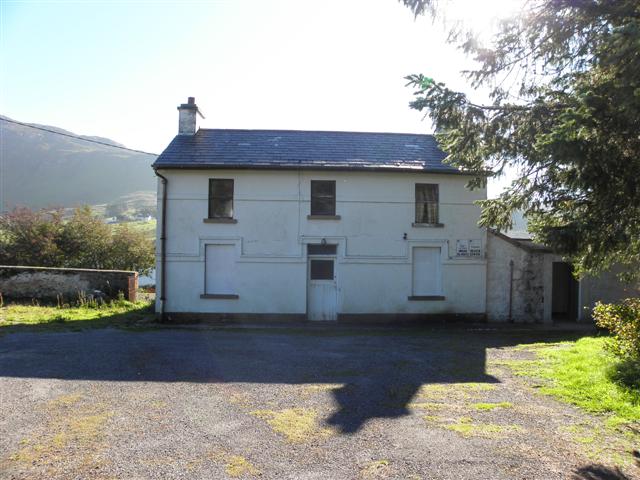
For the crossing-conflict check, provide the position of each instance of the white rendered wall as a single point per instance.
(374, 261)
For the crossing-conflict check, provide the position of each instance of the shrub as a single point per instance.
(626, 373)
(623, 321)
(46, 239)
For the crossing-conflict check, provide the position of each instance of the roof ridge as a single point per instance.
(314, 131)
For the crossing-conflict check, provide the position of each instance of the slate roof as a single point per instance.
(295, 149)
(522, 239)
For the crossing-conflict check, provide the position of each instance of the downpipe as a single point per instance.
(163, 242)
(511, 291)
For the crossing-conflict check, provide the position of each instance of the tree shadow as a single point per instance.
(598, 472)
(379, 371)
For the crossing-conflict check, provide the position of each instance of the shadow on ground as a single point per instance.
(598, 472)
(378, 371)
(131, 319)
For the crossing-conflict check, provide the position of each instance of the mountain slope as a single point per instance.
(42, 169)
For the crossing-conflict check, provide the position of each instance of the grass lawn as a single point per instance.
(579, 373)
(35, 317)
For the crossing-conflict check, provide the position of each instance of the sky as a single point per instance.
(119, 69)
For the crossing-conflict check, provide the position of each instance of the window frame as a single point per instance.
(322, 261)
(420, 221)
(313, 196)
(213, 198)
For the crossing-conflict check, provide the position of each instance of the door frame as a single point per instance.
(572, 295)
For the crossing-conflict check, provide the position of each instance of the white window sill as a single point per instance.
(220, 220)
(427, 225)
(323, 217)
(426, 298)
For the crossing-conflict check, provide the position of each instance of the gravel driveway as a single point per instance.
(281, 404)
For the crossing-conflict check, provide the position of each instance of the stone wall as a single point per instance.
(529, 281)
(42, 283)
(532, 294)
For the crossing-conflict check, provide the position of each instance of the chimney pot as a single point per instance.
(191, 101)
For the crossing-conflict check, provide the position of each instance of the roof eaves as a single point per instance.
(303, 166)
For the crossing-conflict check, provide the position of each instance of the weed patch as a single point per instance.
(73, 433)
(376, 468)
(234, 465)
(467, 428)
(297, 425)
(427, 405)
(492, 406)
(439, 390)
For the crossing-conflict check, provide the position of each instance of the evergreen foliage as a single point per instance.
(564, 113)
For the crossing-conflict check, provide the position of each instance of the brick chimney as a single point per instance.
(187, 122)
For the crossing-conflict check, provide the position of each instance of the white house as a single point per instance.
(315, 225)
(303, 225)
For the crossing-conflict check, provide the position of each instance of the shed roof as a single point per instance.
(522, 240)
(295, 149)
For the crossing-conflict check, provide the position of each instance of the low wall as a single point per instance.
(42, 283)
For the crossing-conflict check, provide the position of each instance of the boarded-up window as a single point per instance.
(220, 270)
(323, 197)
(426, 271)
(426, 203)
(220, 198)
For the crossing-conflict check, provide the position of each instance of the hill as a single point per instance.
(42, 169)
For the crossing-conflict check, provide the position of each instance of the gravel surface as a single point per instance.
(207, 403)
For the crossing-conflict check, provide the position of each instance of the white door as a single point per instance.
(322, 296)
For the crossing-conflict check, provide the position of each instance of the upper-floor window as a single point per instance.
(427, 203)
(323, 197)
(220, 198)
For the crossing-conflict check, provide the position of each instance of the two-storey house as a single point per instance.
(315, 225)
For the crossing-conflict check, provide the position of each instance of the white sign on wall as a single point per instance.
(468, 248)
(462, 248)
(475, 248)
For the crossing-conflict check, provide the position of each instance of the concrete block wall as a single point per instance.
(42, 283)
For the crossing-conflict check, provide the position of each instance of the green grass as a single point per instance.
(491, 406)
(580, 373)
(467, 428)
(34, 317)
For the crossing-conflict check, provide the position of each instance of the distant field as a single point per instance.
(148, 228)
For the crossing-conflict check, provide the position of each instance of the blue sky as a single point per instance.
(119, 69)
